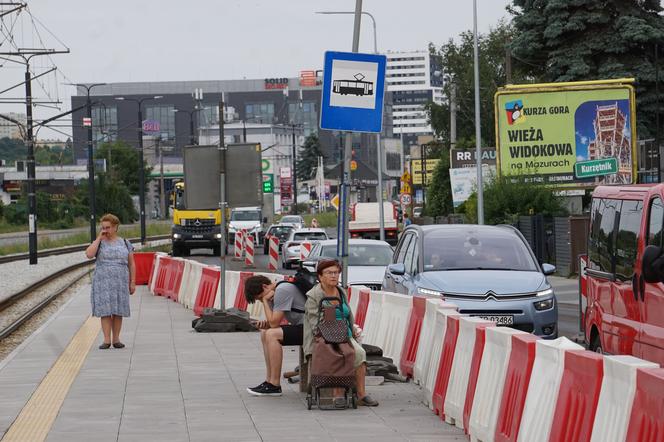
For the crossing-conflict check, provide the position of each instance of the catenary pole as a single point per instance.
(32, 199)
(348, 150)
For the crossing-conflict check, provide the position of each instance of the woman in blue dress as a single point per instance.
(113, 281)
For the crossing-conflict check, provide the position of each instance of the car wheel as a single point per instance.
(596, 345)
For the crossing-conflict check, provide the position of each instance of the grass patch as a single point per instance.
(5, 227)
(84, 238)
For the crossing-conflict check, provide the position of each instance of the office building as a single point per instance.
(413, 79)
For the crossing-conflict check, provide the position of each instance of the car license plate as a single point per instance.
(498, 319)
(197, 236)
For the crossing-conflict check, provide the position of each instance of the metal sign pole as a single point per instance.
(222, 207)
(348, 150)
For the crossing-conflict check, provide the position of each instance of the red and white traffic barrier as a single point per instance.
(617, 397)
(249, 251)
(490, 383)
(239, 246)
(463, 356)
(305, 250)
(273, 261)
(543, 388)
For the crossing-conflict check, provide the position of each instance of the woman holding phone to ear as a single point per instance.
(113, 281)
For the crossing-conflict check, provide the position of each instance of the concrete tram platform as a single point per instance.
(173, 384)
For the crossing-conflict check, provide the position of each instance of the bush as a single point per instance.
(505, 199)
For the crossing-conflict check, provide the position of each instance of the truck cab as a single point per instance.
(193, 229)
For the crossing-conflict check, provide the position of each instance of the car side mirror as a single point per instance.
(548, 269)
(652, 265)
(397, 269)
(309, 266)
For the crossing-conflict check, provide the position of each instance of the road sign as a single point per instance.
(335, 201)
(405, 178)
(406, 188)
(151, 126)
(405, 199)
(593, 168)
(87, 122)
(353, 88)
(353, 165)
(268, 183)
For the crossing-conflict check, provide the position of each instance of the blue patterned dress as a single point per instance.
(110, 282)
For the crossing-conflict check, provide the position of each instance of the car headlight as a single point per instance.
(429, 292)
(217, 235)
(177, 236)
(546, 292)
(544, 305)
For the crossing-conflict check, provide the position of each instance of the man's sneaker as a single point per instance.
(257, 387)
(266, 390)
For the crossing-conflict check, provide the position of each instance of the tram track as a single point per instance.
(14, 315)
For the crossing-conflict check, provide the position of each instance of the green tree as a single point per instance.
(53, 155)
(308, 158)
(12, 150)
(111, 196)
(457, 58)
(122, 163)
(505, 199)
(439, 198)
(592, 40)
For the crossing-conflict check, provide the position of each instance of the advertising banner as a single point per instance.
(572, 135)
(464, 181)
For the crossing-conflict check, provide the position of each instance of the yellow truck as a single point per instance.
(194, 228)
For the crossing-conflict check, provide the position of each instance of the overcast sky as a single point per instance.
(161, 40)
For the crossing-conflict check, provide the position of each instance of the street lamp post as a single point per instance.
(141, 162)
(379, 157)
(478, 131)
(91, 164)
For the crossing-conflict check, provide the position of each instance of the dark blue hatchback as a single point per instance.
(488, 271)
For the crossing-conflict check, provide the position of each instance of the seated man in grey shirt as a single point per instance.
(280, 300)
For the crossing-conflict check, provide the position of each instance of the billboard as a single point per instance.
(417, 172)
(569, 134)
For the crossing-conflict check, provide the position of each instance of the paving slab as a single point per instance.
(173, 384)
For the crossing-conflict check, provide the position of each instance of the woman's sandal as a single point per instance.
(104, 346)
(118, 345)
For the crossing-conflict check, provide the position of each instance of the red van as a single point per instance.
(625, 295)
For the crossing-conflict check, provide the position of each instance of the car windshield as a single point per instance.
(291, 219)
(362, 254)
(317, 236)
(280, 232)
(476, 250)
(246, 215)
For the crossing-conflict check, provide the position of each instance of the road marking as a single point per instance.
(37, 416)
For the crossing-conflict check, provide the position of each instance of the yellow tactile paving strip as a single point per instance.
(37, 416)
